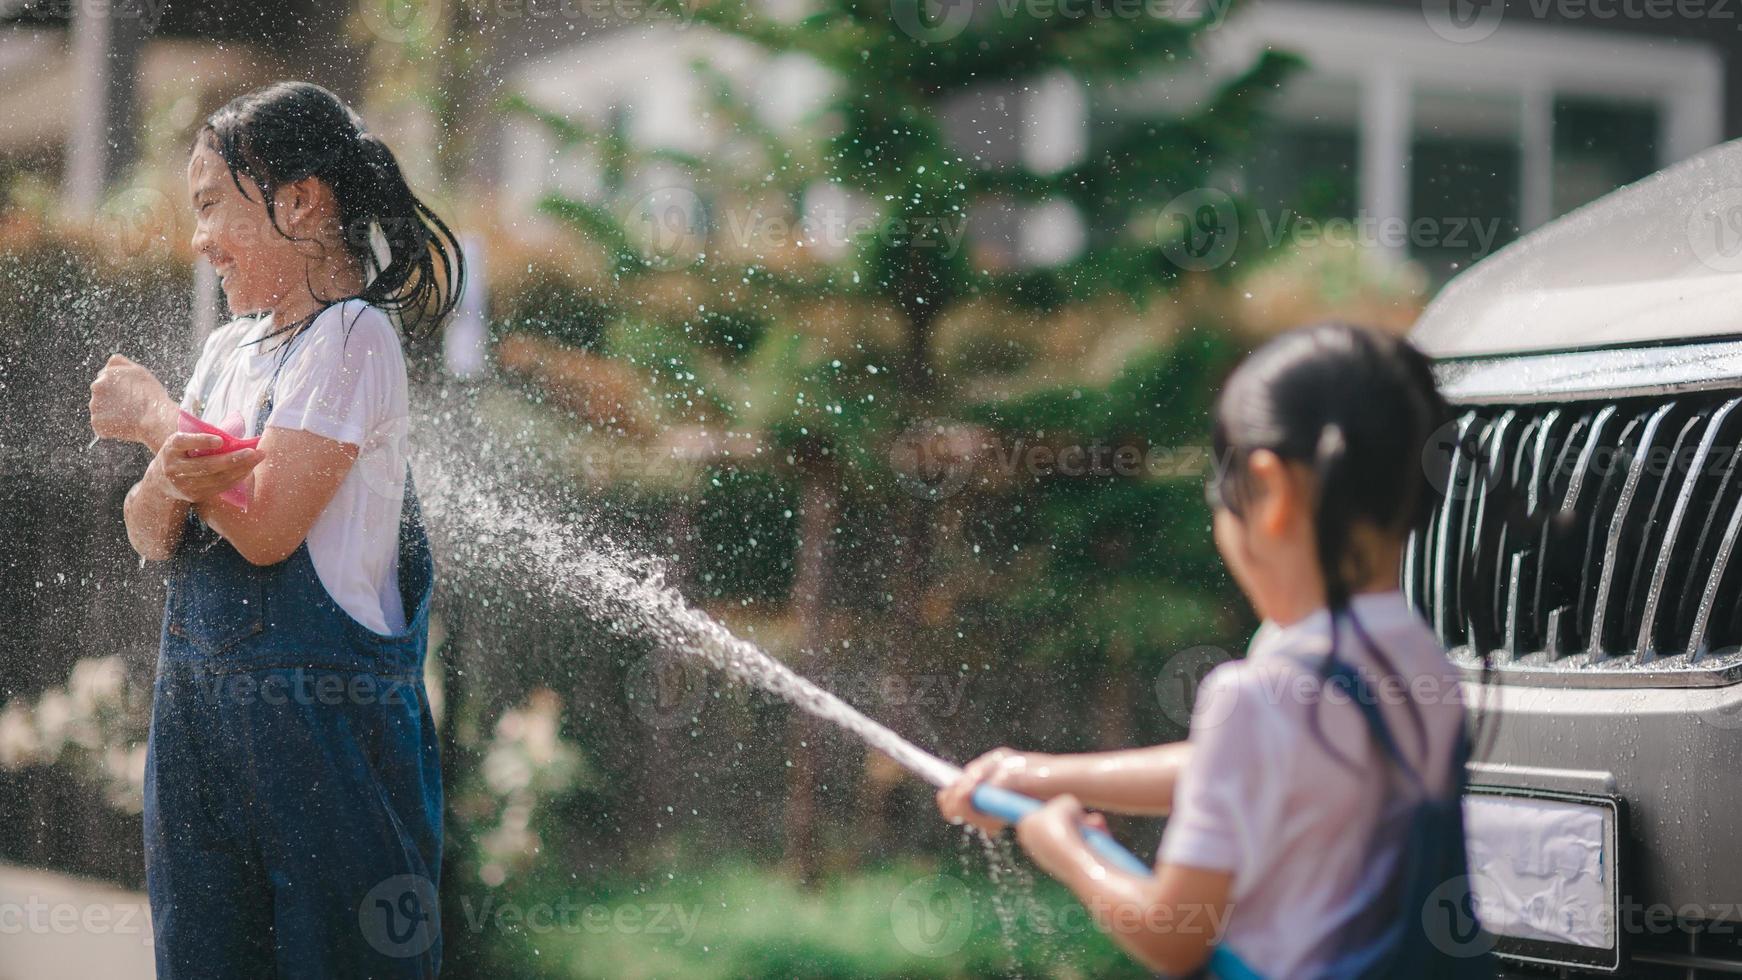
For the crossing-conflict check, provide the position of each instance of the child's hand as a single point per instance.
(1008, 768)
(197, 479)
(1053, 835)
(129, 403)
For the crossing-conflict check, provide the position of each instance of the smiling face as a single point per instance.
(257, 264)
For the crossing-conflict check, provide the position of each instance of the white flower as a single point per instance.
(97, 683)
(54, 715)
(18, 741)
(506, 770)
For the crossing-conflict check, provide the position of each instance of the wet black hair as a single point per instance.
(293, 130)
(1359, 407)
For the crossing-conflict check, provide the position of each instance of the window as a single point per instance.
(1392, 123)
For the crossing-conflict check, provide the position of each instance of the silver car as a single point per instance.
(1583, 565)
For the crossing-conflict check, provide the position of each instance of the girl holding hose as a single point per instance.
(1314, 812)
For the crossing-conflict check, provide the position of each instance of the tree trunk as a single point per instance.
(817, 504)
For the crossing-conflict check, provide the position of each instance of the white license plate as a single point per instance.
(1543, 874)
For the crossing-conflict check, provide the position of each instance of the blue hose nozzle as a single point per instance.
(995, 801)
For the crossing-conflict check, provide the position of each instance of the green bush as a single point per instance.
(909, 920)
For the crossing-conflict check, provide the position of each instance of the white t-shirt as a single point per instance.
(1263, 799)
(344, 379)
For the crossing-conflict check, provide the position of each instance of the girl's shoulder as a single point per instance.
(351, 333)
(355, 318)
(233, 334)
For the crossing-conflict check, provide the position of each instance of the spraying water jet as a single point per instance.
(628, 593)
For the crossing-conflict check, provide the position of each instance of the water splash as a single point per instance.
(496, 522)
(1011, 887)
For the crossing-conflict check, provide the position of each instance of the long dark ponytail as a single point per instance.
(292, 130)
(1358, 407)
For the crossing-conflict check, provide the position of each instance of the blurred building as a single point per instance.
(1503, 113)
(1461, 124)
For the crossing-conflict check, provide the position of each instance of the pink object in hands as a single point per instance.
(230, 430)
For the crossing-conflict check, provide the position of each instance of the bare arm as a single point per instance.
(297, 479)
(1169, 922)
(296, 473)
(154, 518)
(157, 506)
(1135, 781)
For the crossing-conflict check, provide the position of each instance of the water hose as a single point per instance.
(995, 801)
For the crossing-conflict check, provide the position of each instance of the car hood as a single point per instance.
(1658, 260)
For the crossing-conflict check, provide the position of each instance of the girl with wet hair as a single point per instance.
(1315, 825)
(293, 804)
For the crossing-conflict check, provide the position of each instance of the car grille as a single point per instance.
(1613, 552)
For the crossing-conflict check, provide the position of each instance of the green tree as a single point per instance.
(877, 381)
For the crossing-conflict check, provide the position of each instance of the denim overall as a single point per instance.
(293, 795)
(1423, 926)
